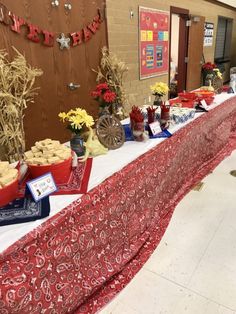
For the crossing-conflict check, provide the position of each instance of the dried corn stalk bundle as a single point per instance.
(112, 71)
(17, 79)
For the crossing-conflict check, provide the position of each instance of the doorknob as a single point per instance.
(73, 86)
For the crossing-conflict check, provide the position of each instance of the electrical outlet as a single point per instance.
(149, 98)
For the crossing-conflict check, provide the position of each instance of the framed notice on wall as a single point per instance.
(153, 42)
(208, 34)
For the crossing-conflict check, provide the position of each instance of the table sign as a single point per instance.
(41, 187)
(155, 128)
(204, 104)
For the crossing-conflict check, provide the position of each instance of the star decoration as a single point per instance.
(64, 41)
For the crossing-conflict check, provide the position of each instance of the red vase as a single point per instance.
(137, 130)
(151, 117)
(165, 116)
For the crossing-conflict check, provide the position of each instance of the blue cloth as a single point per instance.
(164, 133)
(128, 132)
(24, 210)
(129, 135)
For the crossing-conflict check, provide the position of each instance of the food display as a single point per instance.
(8, 183)
(50, 156)
(205, 93)
(187, 96)
(181, 115)
(7, 174)
(207, 88)
(178, 115)
(47, 152)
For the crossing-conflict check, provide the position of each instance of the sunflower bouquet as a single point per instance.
(77, 119)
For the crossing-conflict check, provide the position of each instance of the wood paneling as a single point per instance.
(60, 67)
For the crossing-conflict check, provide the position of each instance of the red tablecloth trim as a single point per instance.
(80, 258)
(78, 184)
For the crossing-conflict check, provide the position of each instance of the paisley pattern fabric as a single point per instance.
(24, 210)
(79, 259)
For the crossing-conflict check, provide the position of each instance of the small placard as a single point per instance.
(155, 128)
(42, 186)
(204, 104)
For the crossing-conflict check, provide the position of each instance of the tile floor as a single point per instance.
(193, 270)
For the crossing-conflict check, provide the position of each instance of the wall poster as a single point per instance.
(153, 42)
(208, 34)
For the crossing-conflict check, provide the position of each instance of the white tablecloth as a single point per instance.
(103, 167)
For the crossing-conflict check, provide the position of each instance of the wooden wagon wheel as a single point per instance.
(217, 83)
(110, 132)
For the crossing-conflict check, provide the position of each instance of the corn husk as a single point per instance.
(112, 70)
(17, 79)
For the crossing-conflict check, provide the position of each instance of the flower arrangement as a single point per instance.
(209, 72)
(76, 120)
(208, 66)
(159, 88)
(111, 71)
(104, 95)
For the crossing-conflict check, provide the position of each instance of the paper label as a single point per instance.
(42, 186)
(149, 35)
(204, 104)
(155, 127)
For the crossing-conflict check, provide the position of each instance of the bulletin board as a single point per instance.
(153, 42)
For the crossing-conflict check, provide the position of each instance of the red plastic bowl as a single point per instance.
(60, 171)
(188, 104)
(205, 94)
(187, 96)
(208, 99)
(8, 193)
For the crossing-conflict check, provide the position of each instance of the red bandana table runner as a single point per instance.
(79, 259)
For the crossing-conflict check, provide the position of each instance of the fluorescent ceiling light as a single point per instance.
(232, 3)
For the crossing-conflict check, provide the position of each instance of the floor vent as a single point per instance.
(198, 187)
(233, 173)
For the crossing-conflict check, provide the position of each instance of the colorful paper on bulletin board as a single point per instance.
(153, 42)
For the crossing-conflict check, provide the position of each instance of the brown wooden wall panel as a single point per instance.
(60, 67)
(195, 51)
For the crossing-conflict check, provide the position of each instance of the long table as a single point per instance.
(81, 256)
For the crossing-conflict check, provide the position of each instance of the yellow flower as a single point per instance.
(63, 116)
(88, 121)
(77, 118)
(76, 122)
(218, 73)
(159, 88)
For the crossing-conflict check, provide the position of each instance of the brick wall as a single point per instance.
(123, 37)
